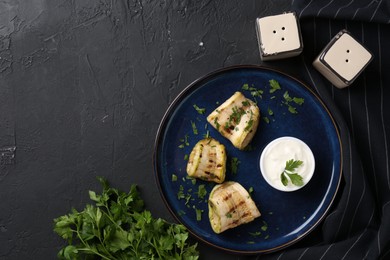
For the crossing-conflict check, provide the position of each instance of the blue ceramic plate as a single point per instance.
(286, 216)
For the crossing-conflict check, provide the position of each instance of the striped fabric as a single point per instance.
(358, 225)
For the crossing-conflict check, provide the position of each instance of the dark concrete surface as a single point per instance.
(83, 87)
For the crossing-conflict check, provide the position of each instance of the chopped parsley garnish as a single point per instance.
(229, 215)
(202, 192)
(274, 86)
(184, 142)
(253, 91)
(236, 115)
(250, 122)
(246, 103)
(194, 129)
(292, 110)
(298, 101)
(295, 178)
(180, 193)
(217, 125)
(256, 92)
(255, 234)
(174, 177)
(288, 100)
(234, 162)
(181, 212)
(249, 148)
(264, 227)
(270, 112)
(198, 213)
(201, 111)
(245, 87)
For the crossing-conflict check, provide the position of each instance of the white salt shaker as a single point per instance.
(279, 36)
(342, 60)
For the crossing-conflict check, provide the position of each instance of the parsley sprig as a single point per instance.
(295, 178)
(118, 227)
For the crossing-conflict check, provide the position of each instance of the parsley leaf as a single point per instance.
(245, 86)
(234, 162)
(274, 86)
(295, 178)
(199, 110)
(194, 128)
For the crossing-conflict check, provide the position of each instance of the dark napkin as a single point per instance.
(358, 224)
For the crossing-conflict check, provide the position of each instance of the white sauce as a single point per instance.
(274, 157)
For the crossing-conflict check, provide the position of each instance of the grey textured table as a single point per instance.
(83, 87)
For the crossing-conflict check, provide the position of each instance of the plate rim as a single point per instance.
(178, 98)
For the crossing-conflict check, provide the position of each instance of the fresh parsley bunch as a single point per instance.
(118, 227)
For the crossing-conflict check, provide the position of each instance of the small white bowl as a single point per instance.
(275, 155)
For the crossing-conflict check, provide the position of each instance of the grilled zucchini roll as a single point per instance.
(230, 205)
(207, 161)
(236, 119)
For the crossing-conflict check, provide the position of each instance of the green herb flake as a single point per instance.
(181, 212)
(186, 156)
(184, 142)
(229, 215)
(236, 115)
(270, 112)
(246, 103)
(234, 162)
(288, 100)
(249, 148)
(180, 193)
(257, 93)
(194, 128)
(217, 125)
(255, 234)
(245, 87)
(292, 110)
(249, 125)
(264, 227)
(266, 119)
(174, 177)
(274, 86)
(287, 97)
(198, 213)
(201, 111)
(298, 101)
(192, 179)
(202, 192)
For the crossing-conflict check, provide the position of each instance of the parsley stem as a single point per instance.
(88, 247)
(96, 252)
